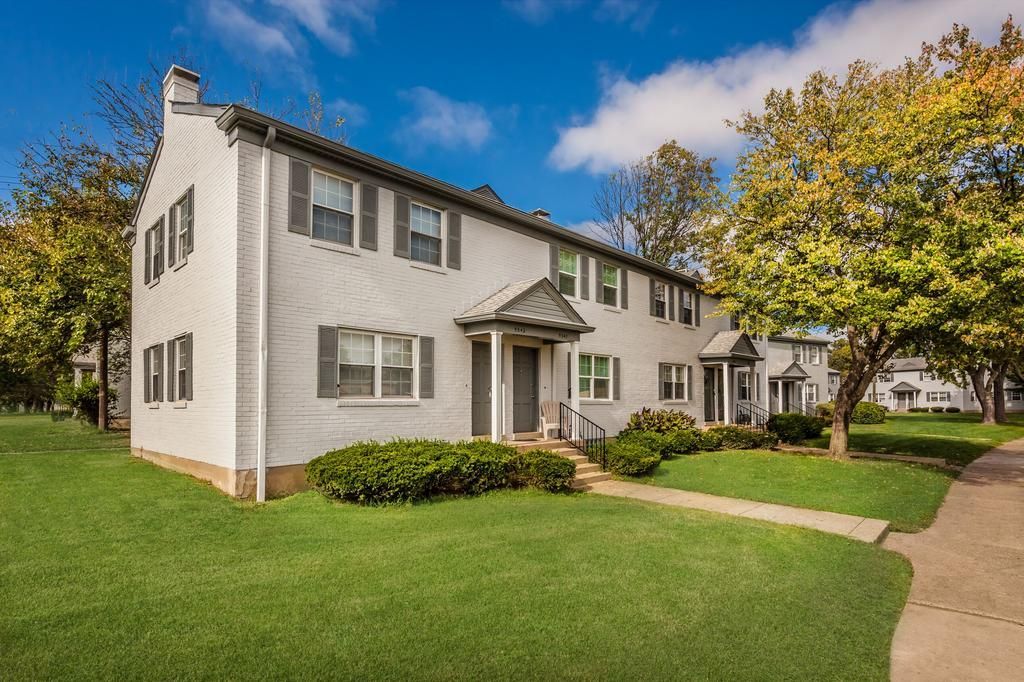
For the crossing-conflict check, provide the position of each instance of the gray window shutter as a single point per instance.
(598, 280)
(149, 257)
(172, 358)
(191, 218)
(172, 238)
(568, 374)
(682, 308)
(653, 310)
(159, 247)
(327, 362)
(188, 366)
(402, 226)
(146, 364)
(584, 276)
(624, 294)
(616, 378)
(689, 382)
(661, 382)
(158, 361)
(368, 219)
(696, 308)
(426, 366)
(298, 202)
(671, 302)
(455, 241)
(553, 276)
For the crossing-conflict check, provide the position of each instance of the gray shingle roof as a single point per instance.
(794, 371)
(495, 302)
(733, 342)
(908, 364)
(903, 387)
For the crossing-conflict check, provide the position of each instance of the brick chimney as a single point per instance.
(180, 85)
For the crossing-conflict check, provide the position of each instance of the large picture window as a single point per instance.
(609, 285)
(674, 382)
(375, 365)
(595, 377)
(333, 208)
(938, 396)
(425, 227)
(568, 272)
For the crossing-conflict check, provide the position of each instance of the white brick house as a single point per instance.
(292, 295)
(798, 373)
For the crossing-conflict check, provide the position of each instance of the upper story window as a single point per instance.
(833, 379)
(927, 376)
(686, 297)
(675, 382)
(373, 365)
(815, 355)
(609, 285)
(884, 377)
(425, 229)
(660, 304)
(333, 208)
(798, 353)
(568, 272)
(155, 251)
(181, 228)
(595, 377)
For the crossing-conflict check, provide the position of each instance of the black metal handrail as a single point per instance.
(583, 434)
(754, 416)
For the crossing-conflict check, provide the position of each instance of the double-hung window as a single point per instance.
(155, 251)
(660, 303)
(884, 377)
(811, 393)
(687, 310)
(375, 365)
(938, 396)
(815, 355)
(798, 353)
(609, 285)
(568, 272)
(182, 227)
(595, 377)
(927, 376)
(179, 365)
(745, 386)
(1015, 395)
(674, 382)
(425, 231)
(333, 208)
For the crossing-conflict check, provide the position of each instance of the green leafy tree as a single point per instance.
(655, 207)
(839, 359)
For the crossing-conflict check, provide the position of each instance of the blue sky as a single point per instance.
(538, 99)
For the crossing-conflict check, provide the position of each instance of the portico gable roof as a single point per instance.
(532, 307)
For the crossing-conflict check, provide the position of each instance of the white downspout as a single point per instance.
(261, 419)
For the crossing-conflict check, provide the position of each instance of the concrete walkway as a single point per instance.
(964, 619)
(856, 527)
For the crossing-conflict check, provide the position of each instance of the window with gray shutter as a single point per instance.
(147, 388)
(402, 210)
(654, 309)
(454, 241)
(172, 237)
(149, 258)
(585, 276)
(624, 295)
(616, 378)
(158, 370)
(368, 218)
(426, 367)
(696, 308)
(327, 362)
(298, 201)
(553, 251)
(671, 302)
(158, 248)
(689, 382)
(172, 369)
(661, 380)
(188, 366)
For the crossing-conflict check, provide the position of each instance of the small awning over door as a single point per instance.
(532, 307)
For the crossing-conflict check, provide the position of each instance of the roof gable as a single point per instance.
(730, 343)
(535, 299)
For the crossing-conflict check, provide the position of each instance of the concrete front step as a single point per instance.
(587, 473)
(584, 481)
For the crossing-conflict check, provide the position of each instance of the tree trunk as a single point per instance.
(839, 441)
(999, 392)
(101, 372)
(983, 392)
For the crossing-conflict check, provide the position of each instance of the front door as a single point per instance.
(481, 389)
(902, 400)
(525, 405)
(710, 395)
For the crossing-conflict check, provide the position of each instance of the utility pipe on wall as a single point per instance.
(261, 419)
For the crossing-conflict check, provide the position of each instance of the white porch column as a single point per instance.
(497, 409)
(574, 375)
(727, 409)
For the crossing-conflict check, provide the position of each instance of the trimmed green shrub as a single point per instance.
(631, 458)
(739, 438)
(793, 427)
(868, 413)
(936, 408)
(658, 421)
(684, 441)
(84, 398)
(825, 410)
(543, 469)
(917, 409)
(658, 443)
(952, 409)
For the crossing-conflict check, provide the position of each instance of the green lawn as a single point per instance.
(960, 438)
(905, 494)
(113, 568)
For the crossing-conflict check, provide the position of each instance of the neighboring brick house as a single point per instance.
(908, 382)
(292, 295)
(798, 373)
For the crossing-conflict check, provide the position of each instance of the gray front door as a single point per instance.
(481, 389)
(710, 393)
(525, 406)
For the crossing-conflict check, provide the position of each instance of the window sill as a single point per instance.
(596, 401)
(179, 404)
(662, 320)
(180, 264)
(378, 402)
(429, 267)
(332, 246)
(153, 282)
(153, 406)
(676, 402)
(613, 310)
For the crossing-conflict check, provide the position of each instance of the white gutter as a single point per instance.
(261, 420)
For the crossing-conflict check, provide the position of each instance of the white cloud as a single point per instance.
(634, 12)
(439, 121)
(355, 114)
(539, 11)
(236, 27)
(690, 100)
(331, 21)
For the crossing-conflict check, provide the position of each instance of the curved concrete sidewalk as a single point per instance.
(855, 527)
(964, 619)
